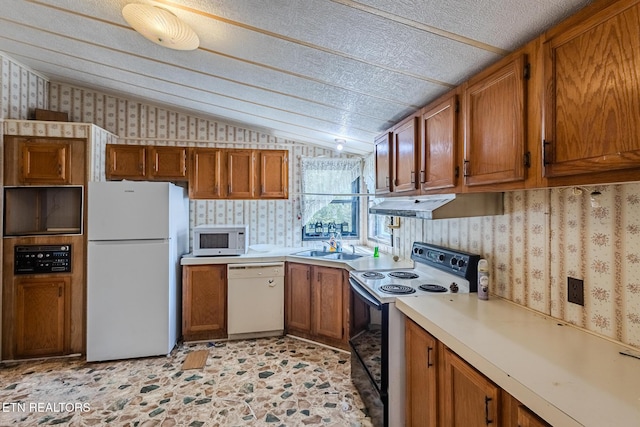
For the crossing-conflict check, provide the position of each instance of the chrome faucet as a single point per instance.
(353, 248)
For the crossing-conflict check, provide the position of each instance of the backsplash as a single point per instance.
(546, 236)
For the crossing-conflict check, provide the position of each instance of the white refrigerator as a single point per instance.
(137, 232)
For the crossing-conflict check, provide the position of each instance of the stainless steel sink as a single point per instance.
(312, 253)
(343, 256)
(329, 255)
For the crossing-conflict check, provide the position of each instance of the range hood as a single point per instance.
(441, 206)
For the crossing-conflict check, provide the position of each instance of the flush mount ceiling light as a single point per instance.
(340, 144)
(160, 26)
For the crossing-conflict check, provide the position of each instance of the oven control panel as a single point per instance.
(462, 264)
(42, 259)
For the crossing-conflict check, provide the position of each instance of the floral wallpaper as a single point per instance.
(21, 90)
(546, 236)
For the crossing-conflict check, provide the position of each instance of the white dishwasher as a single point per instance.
(255, 300)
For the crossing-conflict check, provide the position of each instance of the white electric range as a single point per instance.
(377, 328)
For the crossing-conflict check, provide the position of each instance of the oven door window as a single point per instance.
(367, 339)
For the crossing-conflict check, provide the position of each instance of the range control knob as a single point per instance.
(461, 263)
(441, 257)
(454, 261)
(453, 287)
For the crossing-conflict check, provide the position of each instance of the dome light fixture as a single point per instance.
(160, 26)
(340, 144)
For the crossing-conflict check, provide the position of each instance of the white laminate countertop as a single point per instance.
(567, 376)
(366, 262)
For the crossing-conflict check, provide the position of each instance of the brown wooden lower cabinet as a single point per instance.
(422, 372)
(445, 390)
(316, 302)
(204, 302)
(42, 316)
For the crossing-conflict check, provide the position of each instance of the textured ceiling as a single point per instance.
(306, 70)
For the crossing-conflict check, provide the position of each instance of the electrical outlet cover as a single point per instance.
(575, 290)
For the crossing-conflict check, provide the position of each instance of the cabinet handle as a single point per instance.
(140, 167)
(229, 189)
(262, 189)
(527, 159)
(413, 177)
(59, 169)
(465, 168)
(486, 410)
(545, 155)
(308, 275)
(423, 176)
(387, 182)
(457, 171)
(429, 362)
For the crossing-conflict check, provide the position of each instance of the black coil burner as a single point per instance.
(397, 289)
(403, 275)
(432, 288)
(372, 275)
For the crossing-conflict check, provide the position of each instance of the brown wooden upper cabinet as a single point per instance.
(219, 173)
(405, 155)
(383, 157)
(438, 169)
(274, 174)
(126, 161)
(495, 124)
(146, 162)
(205, 173)
(241, 174)
(592, 99)
(46, 163)
(167, 163)
(43, 161)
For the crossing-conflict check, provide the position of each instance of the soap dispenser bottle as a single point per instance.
(483, 279)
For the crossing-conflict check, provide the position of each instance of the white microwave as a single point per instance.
(220, 240)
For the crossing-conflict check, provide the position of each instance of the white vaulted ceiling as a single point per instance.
(306, 70)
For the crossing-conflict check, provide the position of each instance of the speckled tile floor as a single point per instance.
(269, 381)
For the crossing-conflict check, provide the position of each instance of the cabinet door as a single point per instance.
(298, 298)
(167, 163)
(205, 174)
(405, 155)
(126, 162)
(241, 178)
(421, 377)
(41, 316)
(470, 399)
(204, 301)
(46, 162)
(592, 103)
(383, 163)
(438, 146)
(526, 418)
(495, 137)
(274, 174)
(327, 312)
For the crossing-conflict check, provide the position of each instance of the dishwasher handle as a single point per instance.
(255, 270)
(254, 265)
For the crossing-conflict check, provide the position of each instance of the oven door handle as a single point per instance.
(362, 293)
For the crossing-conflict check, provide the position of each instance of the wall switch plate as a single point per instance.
(575, 291)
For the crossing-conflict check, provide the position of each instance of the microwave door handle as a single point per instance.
(362, 293)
